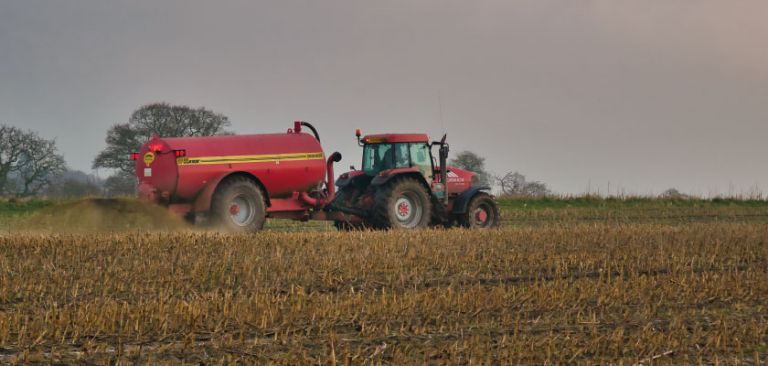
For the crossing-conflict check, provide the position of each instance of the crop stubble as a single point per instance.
(582, 293)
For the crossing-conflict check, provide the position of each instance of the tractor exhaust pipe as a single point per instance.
(444, 148)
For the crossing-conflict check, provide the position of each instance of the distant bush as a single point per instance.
(468, 160)
(674, 194)
(74, 183)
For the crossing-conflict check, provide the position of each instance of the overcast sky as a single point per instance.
(645, 94)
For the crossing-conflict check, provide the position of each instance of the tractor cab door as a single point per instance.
(421, 159)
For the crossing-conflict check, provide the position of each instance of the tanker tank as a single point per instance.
(177, 169)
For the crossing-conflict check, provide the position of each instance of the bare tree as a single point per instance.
(39, 165)
(28, 162)
(160, 118)
(511, 182)
(122, 140)
(535, 189)
(11, 142)
(515, 184)
(468, 160)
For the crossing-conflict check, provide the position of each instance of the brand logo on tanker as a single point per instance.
(149, 158)
(235, 159)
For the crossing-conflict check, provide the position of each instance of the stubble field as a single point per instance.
(560, 282)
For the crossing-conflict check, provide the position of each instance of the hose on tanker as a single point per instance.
(314, 131)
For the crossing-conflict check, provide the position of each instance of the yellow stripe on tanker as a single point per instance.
(235, 159)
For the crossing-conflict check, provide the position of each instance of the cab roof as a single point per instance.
(395, 137)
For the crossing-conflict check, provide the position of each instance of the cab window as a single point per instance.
(421, 159)
(377, 157)
(402, 159)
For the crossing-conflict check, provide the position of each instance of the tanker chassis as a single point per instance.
(238, 181)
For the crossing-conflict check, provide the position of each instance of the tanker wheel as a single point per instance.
(482, 213)
(401, 204)
(238, 205)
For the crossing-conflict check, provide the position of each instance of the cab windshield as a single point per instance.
(384, 156)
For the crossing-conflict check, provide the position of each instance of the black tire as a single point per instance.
(346, 197)
(482, 213)
(401, 204)
(238, 206)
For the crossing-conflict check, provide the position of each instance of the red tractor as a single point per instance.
(239, 181)
(402, 186)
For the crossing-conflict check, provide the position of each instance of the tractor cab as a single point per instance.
(382, 153)
(386, 155)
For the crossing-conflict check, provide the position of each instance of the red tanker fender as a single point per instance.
(204, 198)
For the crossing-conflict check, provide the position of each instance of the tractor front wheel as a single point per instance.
(347, 197)
(401, 204)
(238, 205)
(482, 213)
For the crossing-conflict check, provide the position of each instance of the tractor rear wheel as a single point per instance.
(238, 205)
(482, 213)
(401, 204)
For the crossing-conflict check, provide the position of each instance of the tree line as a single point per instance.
(510, 183)
(28, 162)
(158, 118)
(31, 165)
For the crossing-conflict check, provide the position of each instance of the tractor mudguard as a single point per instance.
(386, 175)
(462, 201)
(349, 177)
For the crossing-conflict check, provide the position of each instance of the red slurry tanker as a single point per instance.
(239, 181)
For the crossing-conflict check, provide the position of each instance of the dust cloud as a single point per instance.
(102, 215)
